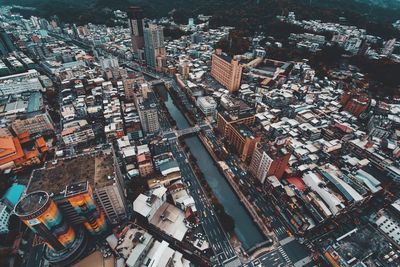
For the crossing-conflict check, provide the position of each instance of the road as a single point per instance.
(217, 238)
(249, 188)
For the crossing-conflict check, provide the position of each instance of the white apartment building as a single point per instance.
(4, 218)
(207, 105)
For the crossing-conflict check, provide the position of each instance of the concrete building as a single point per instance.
(184, 69)
(226, 71)
(135, 21)
(145, 165)
(21, 82)
(224, 120)
(388, 221)
(147, 206)
(236, 130)
(379, 126)
(105, 182)
(40, 213)
(154, 46)
(207, 105)
(109, 63)
(16, 153)
(77, 135)
(6, 45)
(147, 109)
(161, 255)
(268, 161)
(41, 123)
(4, 218)
(389, 47)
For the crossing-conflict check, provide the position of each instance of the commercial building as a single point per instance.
(7, 205)
(80, 196)
(19, 83)
(6, 45)
(135, 21)
(267, 160)
(237, 133)
(94, 179)
(4, 218)
(41, 214)
(146, 105)
(154, 46)
(207, 105)
(388, 221)
(17, 153)
(226, 71)
(37, 124)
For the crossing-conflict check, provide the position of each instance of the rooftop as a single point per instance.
(14, 193)
(97, 169)
(31, 203)
(170, 220)
(244, 130)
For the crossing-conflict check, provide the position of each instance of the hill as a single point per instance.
(246, 14)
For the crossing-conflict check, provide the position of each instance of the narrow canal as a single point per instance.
(246, 230)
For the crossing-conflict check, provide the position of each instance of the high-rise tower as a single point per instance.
(40, 213)
(226, 70)
(6, 45)
(154, 46)
(135, 20)
(80, 196)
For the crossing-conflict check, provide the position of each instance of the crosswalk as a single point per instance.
(285, 256)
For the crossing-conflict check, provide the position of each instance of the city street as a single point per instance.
(250, 189)
(218, 240)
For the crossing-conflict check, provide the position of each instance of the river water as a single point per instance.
(246, 230)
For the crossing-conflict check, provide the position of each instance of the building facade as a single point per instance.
(41, 214)
(154, 46)
(268, 162)
(41, 123)
(135, 21)
(207, 105)
(226, 71)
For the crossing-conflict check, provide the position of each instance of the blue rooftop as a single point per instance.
(35, 102)
(13, 194)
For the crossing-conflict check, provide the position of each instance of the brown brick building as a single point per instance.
(226, 71)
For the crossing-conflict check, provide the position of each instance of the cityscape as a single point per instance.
(154, 141)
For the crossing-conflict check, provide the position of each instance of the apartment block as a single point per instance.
(226, 71)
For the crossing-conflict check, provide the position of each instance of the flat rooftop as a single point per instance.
(169, 219)
(364, 244)
(55, 176)
(96, 259)
(31, 203)
(244, 130)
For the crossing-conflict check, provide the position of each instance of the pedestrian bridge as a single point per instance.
(156, 82)
(181, 132)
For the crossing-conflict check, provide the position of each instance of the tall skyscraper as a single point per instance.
(154, 46)
(268, 160)
(6, 45)
(147, 109)
(135, 20)
(81, 198)
(227, 71)
(41, 214)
